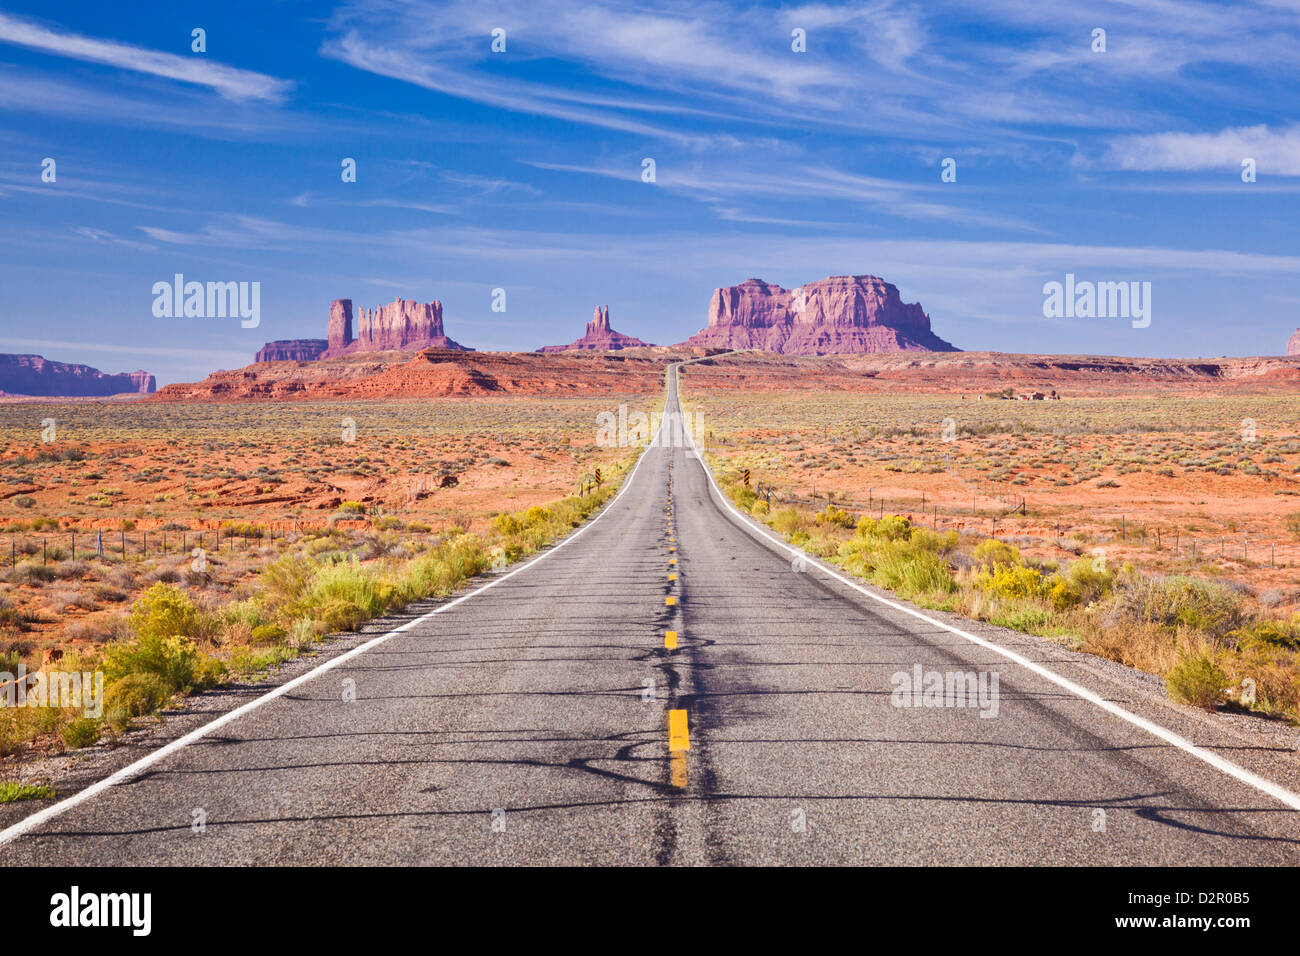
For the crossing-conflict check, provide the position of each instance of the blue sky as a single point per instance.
(523, 170)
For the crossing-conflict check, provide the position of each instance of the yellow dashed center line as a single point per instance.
(670, 640)
(677, 762)
(670, 600)
(672, 577)
(679, 735)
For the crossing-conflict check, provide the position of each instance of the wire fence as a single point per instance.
(71, 544)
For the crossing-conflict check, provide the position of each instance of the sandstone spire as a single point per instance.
(600, 335)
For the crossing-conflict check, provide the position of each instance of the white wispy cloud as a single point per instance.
(912, 69)
(247, 232)
(1276, 151)
(723, 186)
(107, 238)
(230, 82)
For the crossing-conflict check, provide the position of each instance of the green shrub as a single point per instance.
(344, 595)
(11, 790)
(81, 732)
(991, 552)
(890, 526)
(911, 571)
(443, 569)
(1011, 581)
(937, 542)
(133, 695)
(507, 525)
(1028, 616)
(302, 632)
(244, 529)
(788, 520)
(1267, 635)
(836, 517)
(284, 582)
(268, 634)
(1171, 602)
(1197, 680)
(1086, 581)
(175, 660)
(164, 611)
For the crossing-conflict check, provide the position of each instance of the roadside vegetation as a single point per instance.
(1200, 635)
(179, 635)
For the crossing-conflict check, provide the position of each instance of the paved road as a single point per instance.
(531, 724)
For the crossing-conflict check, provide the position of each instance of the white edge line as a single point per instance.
(27, 824)
(1274, 790)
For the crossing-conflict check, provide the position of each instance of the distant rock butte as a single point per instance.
(292, 350)
(836, 315)
(1293, 343)
(430, 373)
(599, 336)
(403, 325)
(37, 375)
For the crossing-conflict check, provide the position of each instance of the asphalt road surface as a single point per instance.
(550, 719)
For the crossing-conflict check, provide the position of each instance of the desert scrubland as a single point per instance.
(213, 540)
(1157, 524)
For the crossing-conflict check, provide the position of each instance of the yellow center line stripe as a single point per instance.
(670, 600)
(677, 764)
(679, 736)
(670, 640)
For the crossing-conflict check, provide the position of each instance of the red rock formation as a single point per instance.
(36, 375)
(291, 350)
(432, 373)
(1293, 343)
(403, 325)
(840, 314)
(340, 325)
(599, 335)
